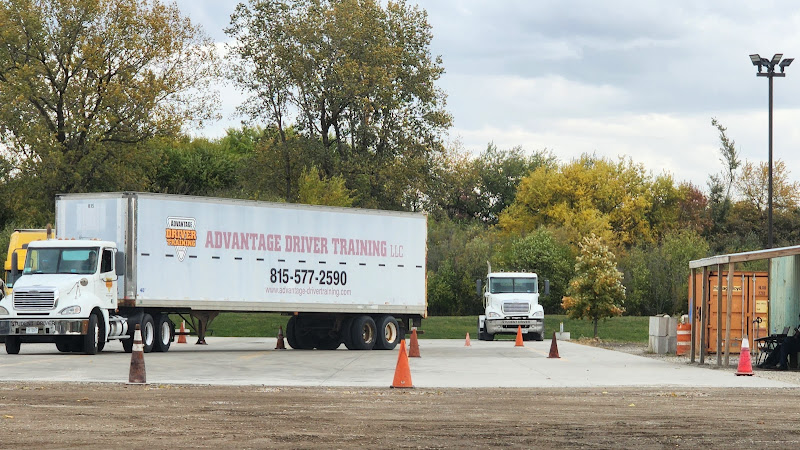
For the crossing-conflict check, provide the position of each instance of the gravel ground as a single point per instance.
(789, 376)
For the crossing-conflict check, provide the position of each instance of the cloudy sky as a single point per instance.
(636, 78)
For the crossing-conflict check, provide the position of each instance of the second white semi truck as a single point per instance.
(511, 301)
(342, 275)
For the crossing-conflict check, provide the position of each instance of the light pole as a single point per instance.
(764, 63)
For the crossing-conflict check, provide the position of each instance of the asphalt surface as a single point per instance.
(443, 363)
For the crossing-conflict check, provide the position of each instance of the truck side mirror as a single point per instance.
(119, 263)
(14, 269)
(546, 287)
(478, 286)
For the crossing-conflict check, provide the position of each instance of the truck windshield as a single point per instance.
(516, 285)
(61, 260)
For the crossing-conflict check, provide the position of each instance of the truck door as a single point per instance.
(109, 277)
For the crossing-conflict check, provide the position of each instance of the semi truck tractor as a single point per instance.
(341, 275)
(511, 301)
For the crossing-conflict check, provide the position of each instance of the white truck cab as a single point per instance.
(65, 295)
(511, 300)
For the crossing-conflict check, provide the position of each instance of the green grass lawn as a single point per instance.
(616, 329)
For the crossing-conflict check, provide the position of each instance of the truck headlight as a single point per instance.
(538, 314)
(3, 311)
(70, 310)
(493, 315)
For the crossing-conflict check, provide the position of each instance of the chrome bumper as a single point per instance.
(509, 326)
(43, 327)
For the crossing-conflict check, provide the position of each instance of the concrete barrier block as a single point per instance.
(672, 326)
(659, 325)
(659, 344)
(562, 335)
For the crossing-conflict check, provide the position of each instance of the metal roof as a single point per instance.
(745, 256)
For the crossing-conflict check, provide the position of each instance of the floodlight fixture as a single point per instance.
(757, 60)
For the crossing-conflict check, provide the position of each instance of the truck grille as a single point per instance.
(33, 300)
(510, 307)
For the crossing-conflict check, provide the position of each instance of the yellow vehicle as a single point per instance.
(17, 249)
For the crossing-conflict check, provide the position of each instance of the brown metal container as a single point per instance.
(750, 295)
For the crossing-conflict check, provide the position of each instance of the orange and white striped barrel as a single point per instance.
(684, 338)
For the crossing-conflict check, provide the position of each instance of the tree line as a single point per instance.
(344, 109)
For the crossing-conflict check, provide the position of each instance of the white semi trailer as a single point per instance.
(343, 275)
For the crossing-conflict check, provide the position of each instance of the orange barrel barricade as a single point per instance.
(684, 338)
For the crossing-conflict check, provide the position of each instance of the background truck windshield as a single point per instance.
(516, 285)
(61, 260)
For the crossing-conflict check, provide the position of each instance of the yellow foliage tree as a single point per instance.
(619, 202)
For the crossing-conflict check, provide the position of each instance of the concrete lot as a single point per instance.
(443, 363)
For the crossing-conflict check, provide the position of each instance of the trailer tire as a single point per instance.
(164, 333)
(363, 332)
(148, 333)
(12, 345)
(290, 339)
(304, 336)
(388, 333)
(329, 343)
(347, 333)
(92, 336)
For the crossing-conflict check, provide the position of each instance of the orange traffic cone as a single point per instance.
(519, 337)
(553, 348)
(413, 350)
(402, 373)
(137, 373)
(280, 345)
(745, 365)
(467, 344)
(182, 333)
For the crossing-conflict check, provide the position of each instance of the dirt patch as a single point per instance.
(61, 415)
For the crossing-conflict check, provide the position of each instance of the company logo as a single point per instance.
(181, 233)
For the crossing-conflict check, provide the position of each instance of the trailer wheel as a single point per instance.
(329, 343)
(12, 345)
(388, 333)
(304, 336)
(165, 331)
(347, 333)
(148, 333)
(290, 338)
(92, 336)
(363, 332)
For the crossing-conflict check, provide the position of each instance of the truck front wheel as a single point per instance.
(12, 345)
(92, 336)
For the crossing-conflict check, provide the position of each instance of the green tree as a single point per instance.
(316, 189)
(656, 276)
(355, 75)
(596, 292)
(550, 259)
(84, 82)
(194, 167)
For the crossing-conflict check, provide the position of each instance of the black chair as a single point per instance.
(768, 344)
